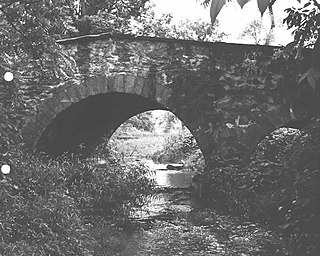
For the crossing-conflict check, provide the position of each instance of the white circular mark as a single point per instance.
(5, 169)
(8, 76)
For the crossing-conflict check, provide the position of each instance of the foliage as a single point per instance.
(142, 121)
(110, 16)
(49, 207)
(181, 147)
(37, 215)
(306, 23)
(109, 191)
(149, 25)
(216, 6)
(305, 20)
(254, 30)
(280, 187)
(169, 122)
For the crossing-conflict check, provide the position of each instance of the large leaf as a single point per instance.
(215, 8)
(313, 77)
(263, 5)
(242, 2)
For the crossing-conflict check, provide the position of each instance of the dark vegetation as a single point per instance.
(279, 187)
(58, 207)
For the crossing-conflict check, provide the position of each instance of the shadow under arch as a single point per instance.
(79, 128)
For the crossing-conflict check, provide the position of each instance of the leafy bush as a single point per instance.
(109, 191)
(281, 188)
(37, 215)
(50, 207)
(181, 147)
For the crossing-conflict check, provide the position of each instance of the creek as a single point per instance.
(174, 222)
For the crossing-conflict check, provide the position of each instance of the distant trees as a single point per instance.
(256, 32)
(142, 121)
(199, 30)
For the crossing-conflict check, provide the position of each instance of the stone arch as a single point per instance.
(269, 121)
(73, 92)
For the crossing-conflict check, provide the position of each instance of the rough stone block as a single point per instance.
(129, 82)
(138, 85)
(103, 84)
(118, 83)
(73, 94)
(55, 105)
(163, 94)
(110, 81)
(95, 84)
(63, 99)
(83, 90)
(32, 133)
(91, 88)
(146, 89)
(45, 117)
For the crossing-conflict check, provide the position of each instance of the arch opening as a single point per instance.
(158, 136)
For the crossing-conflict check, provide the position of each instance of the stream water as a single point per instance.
(176, 224)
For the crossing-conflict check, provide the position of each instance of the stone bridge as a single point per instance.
(228, 95)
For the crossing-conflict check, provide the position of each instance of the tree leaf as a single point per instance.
(303, 76)
(215, 8)
(263, 4)
(313, 77)
(242, 2)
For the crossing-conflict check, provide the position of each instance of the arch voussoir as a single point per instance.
(129, 82)
(83, 91)
(55, 105)
(31, 133)
(118, 83)
(163, 94)
(45, 116)
(96, 84)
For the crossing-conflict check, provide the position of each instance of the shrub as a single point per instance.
(281, 188)
(36, 214)
(50, 207)
(181, 147)
(109, 191)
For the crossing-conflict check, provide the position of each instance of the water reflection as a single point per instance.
(169, 178)
(173, 179)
